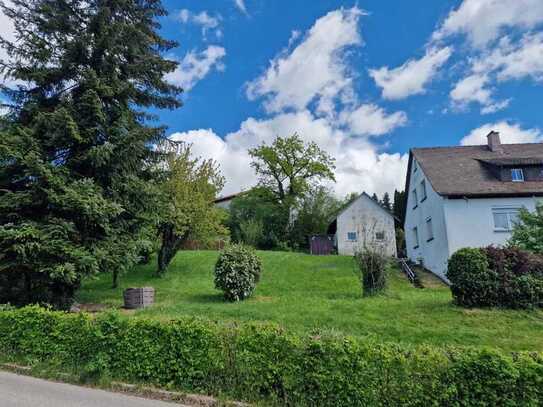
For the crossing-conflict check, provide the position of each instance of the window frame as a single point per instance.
(518, 171)
(423, 190)
(416, 198)
(508, 211)
(415, 231)
(349, 234)
(429, 229)
(378, 234)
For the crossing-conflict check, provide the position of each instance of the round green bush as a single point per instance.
(237, 271)
(472, 282)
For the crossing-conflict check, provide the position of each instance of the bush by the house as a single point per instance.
(505, 277)
(264, 363)
(237, 271)
(372, 265)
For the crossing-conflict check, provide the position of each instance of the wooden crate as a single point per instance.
(138, 297)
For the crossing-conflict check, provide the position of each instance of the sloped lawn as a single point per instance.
(313, 294)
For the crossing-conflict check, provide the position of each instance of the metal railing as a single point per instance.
(407, 270)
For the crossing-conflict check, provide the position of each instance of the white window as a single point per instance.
(416, 236)
(423, 190)
(505, 218)
(351, 236)
(415, 199)
(380, 236)
(429, 230)
(517, 175)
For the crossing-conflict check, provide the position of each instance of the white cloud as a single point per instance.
(196, 65)
(315, 70)
(360, 166)
(240, 4)
(473, 89)
(412, 77)
(371, 120)
(516, 61)
(509, 133)
(483, 20)
(203, 19)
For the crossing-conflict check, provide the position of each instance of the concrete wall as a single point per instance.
(366, 218)
(432, 253)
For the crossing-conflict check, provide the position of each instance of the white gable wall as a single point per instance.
(433, 253)
(365, 218)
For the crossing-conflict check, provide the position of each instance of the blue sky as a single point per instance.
(366, 80)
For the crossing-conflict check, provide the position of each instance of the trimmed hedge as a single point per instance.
(491, 276)
(264, 363)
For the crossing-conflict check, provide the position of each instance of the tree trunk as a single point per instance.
(168, 249)
(115, 283)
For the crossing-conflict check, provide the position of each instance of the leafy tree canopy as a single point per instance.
(288, 167)
(189, 210)
(528, 232)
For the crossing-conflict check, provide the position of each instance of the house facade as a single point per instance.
(468, 196)
(364, 223)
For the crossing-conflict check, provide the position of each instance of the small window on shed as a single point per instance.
(351, 236)
(380, 236)
(517, 175)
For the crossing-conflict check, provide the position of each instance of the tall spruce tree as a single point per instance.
(76, 149)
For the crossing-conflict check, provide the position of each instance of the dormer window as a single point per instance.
(517, 175)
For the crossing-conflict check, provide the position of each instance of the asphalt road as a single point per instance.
(24, 391)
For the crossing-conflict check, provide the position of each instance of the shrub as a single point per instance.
(237, 271)
(372, 265)
(491, 276)
(263, 363)
(18, 289)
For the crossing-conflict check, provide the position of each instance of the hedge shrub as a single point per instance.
(264, 363)
(237, 271)
(491, 276)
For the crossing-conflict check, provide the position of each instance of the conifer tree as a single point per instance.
(77, 163)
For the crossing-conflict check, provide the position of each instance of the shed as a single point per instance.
(364, 223)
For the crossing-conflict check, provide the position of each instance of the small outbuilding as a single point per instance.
(364, 223)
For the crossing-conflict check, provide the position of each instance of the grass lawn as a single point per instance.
(322, 293)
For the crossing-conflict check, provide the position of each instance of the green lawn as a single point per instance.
(313, 294)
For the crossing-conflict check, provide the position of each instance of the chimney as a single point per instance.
(494, 142)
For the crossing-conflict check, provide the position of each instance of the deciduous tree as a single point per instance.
(189, 212)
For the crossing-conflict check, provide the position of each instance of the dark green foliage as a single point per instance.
(398, 207)
(77, 190)
(505, 277)
(372, 268)
(257, 220)
(385, 202)
(264, 363)
(313, 216)
(237, 272)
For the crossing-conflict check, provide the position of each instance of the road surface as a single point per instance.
(25, 391)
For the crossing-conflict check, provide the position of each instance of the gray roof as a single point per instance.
(461, 171)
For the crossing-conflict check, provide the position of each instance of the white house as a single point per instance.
(467, 196)
(364, 222)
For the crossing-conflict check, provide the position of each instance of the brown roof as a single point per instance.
(466, 170)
